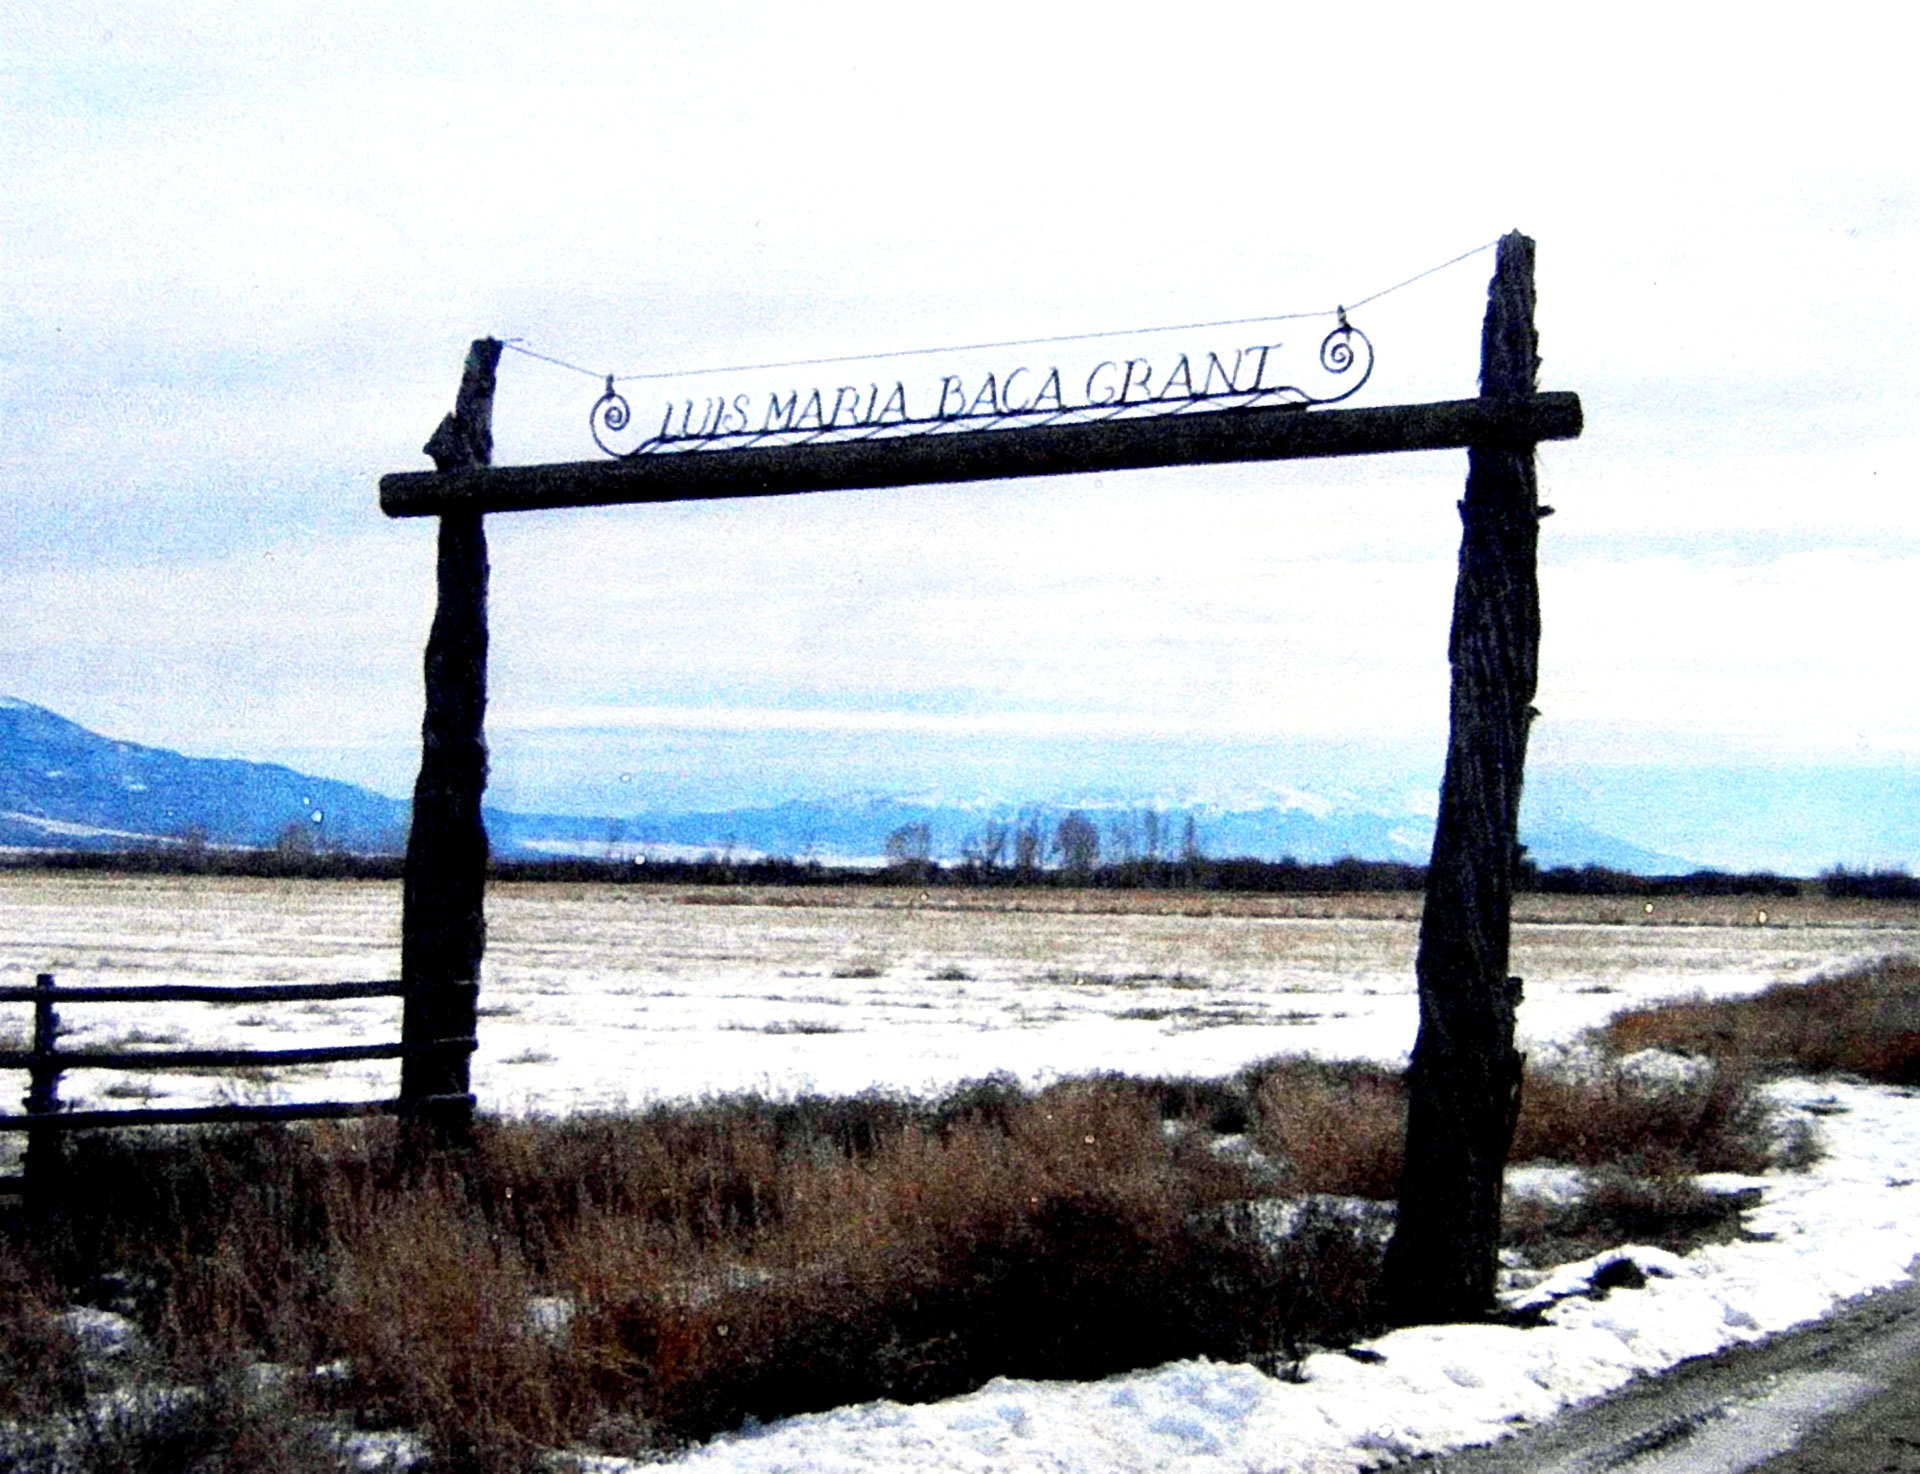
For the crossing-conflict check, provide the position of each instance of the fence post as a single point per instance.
(1463, 1085)
(443, 923)
(43, 1161)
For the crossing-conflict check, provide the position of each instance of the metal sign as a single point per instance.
(993, 398)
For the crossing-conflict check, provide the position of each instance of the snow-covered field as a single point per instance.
(598, 996)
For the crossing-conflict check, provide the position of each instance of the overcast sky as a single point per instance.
(245, 248)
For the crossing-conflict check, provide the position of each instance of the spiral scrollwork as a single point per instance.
(611, 413)
(1339, 355)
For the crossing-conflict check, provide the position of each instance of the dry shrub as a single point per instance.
(708, 1171)
(220, 1240)
(1327, 1278)
(1224, 1106)
(748, 1257)
(1340, 1128)
(1611, 1115)
(1068, 1236)
(1865, 1023)
(228, 1425)
(1667, 1212)
(432, 1312)
(41, 1371)
(1337, 1128)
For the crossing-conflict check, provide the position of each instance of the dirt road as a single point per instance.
(1841, 1396)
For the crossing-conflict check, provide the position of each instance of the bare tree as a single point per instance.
(1151, 837)
(988, 847)
(295, 840)
(909, 845)
(1026, 844)
(1076, 844)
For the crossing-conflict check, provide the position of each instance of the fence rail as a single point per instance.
(202, 992)
(218, 1059)
(46, 1122)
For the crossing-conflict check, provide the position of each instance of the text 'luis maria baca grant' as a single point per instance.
(993, 399)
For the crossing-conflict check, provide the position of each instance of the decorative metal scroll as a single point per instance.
(1114, 388)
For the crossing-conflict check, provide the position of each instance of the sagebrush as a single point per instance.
(637, 1280)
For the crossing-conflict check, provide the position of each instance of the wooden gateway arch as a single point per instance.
(1464, 1082)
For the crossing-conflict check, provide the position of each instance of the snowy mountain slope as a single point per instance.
(63, 786)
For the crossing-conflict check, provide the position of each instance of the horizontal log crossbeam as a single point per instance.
(1264, 433)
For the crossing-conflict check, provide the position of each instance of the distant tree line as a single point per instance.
(1136, 851)
(266, 864)
(1598, 880)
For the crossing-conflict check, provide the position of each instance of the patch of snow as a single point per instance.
(100, 1333)
(385, 1452)
(1298, 800)
(1277, 1218)
(548, 1316)
(1547, 1181)
(80, 831)
(1662, 1067)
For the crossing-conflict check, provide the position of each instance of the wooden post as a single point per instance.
(41, 1168)
(1463, 1087)
(443, 926)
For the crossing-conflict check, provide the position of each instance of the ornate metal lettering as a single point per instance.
(1175, 383)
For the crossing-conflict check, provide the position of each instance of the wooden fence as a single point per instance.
(45, 1122)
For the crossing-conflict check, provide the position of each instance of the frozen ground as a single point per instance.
(594, 997)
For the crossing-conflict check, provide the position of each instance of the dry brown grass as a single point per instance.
(41, 1372)
(1611, 1116)
(1864, 1023)
(1669, 1212)
(739, 1258)
(754, 1257)
(432, 1315)
(1334, 1127)
(1059, 1235)
(1339, 1127)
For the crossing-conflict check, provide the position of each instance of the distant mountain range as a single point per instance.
(64, 787)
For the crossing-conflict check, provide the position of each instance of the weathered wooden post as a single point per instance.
(45, 1152)
(1464, 1082)
(443, 927)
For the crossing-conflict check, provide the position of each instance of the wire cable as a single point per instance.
(518, 346)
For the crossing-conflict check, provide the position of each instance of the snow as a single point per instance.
(101, 1333)
(595, 998)
(69, 829)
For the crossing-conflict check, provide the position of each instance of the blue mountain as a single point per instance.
(65, 787)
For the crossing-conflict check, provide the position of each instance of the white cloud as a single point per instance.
(247, 246)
